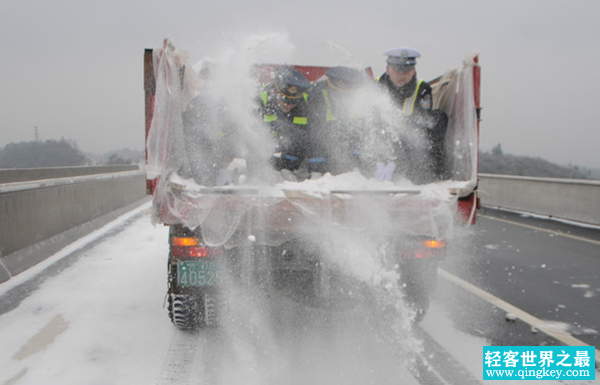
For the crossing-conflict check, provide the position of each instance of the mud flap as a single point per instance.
(211, 305)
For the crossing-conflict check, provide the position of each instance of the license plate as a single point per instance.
(197, 273)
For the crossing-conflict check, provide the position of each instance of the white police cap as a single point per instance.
(402, 57)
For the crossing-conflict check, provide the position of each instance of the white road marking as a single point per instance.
(593, 241)
(537, 323)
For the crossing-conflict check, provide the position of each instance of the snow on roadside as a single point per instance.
(109, 307)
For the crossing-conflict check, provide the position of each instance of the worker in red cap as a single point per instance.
(414, 99)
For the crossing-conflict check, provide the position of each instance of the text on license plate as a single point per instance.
(197, 273)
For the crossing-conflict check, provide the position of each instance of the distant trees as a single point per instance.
(497, 150)
(64, 153)
(49, 153)
(496, 162)
(122, 156)
(116, 159)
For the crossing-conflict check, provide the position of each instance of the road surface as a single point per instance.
(94, 314)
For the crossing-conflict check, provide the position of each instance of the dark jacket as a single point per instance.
(210, 138)
(334, 135)
(289, 130)
(420, 105)
(423, 160)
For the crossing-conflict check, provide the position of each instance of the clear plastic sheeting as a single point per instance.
(271, 215)
(454, 94)
(175, 84)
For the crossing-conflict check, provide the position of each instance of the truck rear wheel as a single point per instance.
(185, 311)
(192, 311)
(190, 307)
(418, 278)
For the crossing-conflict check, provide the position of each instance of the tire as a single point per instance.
(193, 311)
(418, 280)
(185, 311)
(192, 307)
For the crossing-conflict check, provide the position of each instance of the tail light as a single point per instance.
(434, 244)
(192, 247)
(185, 241)
(429, 248)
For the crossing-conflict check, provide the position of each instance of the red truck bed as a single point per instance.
(457, 93)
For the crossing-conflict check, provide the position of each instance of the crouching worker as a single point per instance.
(425, 153)
(216, 140)
(283, 107)
(335, 129)
(210, 141)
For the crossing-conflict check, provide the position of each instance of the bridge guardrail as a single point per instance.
(568, 199)
(39, 217)
(12, 175)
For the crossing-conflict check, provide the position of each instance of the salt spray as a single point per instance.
(358, 249)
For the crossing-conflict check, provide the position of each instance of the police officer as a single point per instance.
(335, 136)
(414, 99)
(283, 106)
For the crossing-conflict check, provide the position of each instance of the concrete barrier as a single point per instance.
(567, 199)
(39, 217)
(25, 174)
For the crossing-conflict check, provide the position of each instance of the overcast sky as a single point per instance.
(73, 68)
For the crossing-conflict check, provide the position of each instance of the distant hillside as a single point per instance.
(122, 156)
(49, 153)
(496, 162)
(61, 153)
(57, 153)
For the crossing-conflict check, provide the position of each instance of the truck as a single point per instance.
(325, 241)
